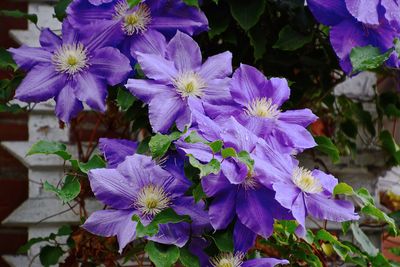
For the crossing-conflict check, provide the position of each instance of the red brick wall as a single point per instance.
(13, 175)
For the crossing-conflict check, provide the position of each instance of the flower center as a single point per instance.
(134, 22)
(151, 200)
(250, 183)
(189, 84)
(262, 107)
(306, 181)
(227, 260)
(70, 58)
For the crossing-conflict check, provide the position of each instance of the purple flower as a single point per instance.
(116, 150)
(139, 186)
(141, 27)
(178, 76)
(307, 192)
(359, 23)
(256, 103)
(73, 70)
(100, 2)
(237, 260)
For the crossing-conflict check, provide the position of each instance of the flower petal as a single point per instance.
(328, 181)
(110, 64)
(300, 213)
(67, 105)
(276, 89)
(392, 8)
(215, 183)
(303, 117)
(150, 42)
(157, 68)
(264, 262)
(112, 188)
(27, 57)
(92, 90)
(286, 194)
(217, 67)
(222, 209)
(145, 90)
(253, 212)
(172, 233)
(365, 11)
(328, 12)
(49, 40)
(217, 91)
(187, 206)
(243, 237)
(40, 84)
(293, 135)
(81, 12)
(113, 222)
(116, 150)
(184, 52)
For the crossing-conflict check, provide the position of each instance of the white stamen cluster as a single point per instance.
(70, 58)
(262, 107)
(134, 22)
(227, 260)
(304, 179)
(250, 183)
(189, 84)
(151, 200)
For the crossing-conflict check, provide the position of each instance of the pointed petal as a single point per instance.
(145, 90)
(81, 12)
(110, 64)
(108, 33)
(323, 208)
(264, 262)
(116, 150)
(40, 84)
(217, 67)
(328, 181)
(222, 209)
(215, 183)
(303, 117)
(184, 52)
(92, 90)
(68, 32)
(253, 212)
(286, 194)
(392, 8)
(113, 222)
(150, 42)
(243, 237)
(365, 11)
(172, 233)
(328, 12)
(112, 188)
(234, 170)
(199, 150)
(157, 68)
(49, 40)
(217, 91)
(294, 136)
(276, 89)
(27, 57)
(299, 213)
(67, 105)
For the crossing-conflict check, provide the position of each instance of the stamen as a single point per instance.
(151, 200)
(250, 183)
(70, 58)
(189, 84)
(134, 21)
(262, 107)
(227, 260)
(304, 179)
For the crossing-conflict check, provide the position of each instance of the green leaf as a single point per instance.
(326, 146)
(258, 40)
(30, 243)
(363, 240)
(216, 146)
(397, 46)
(213, 166)
(49, 148)
(247, 13)
(125, 99)
(341, 249)
(228, 152)
(6, 60)
(374, 212)
(198, 193)
(368, 57)
(60, 8)
(19, 15)
(162, 255)
(133, 3)
(194, 137)
(365, 196)
(160, 143)
(96, 162)
(346, 226)
(223, 240)
(389, 144)
(291, 40)
(70, 190)
(188, 259)
(245, 157)
(395, 251)
(392, 111)
(343, 189)
(64, 230)
(50, 255)
(165, 216)
(192, 2)
(218, 20)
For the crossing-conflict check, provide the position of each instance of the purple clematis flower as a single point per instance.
(72, 70)
(236, 190)
(307, 192)
(100, 2)
(116, 150)
(140, 28)
(178, 76)
(256, 103)
(139, 186)
(236, 260)
(359, 23)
